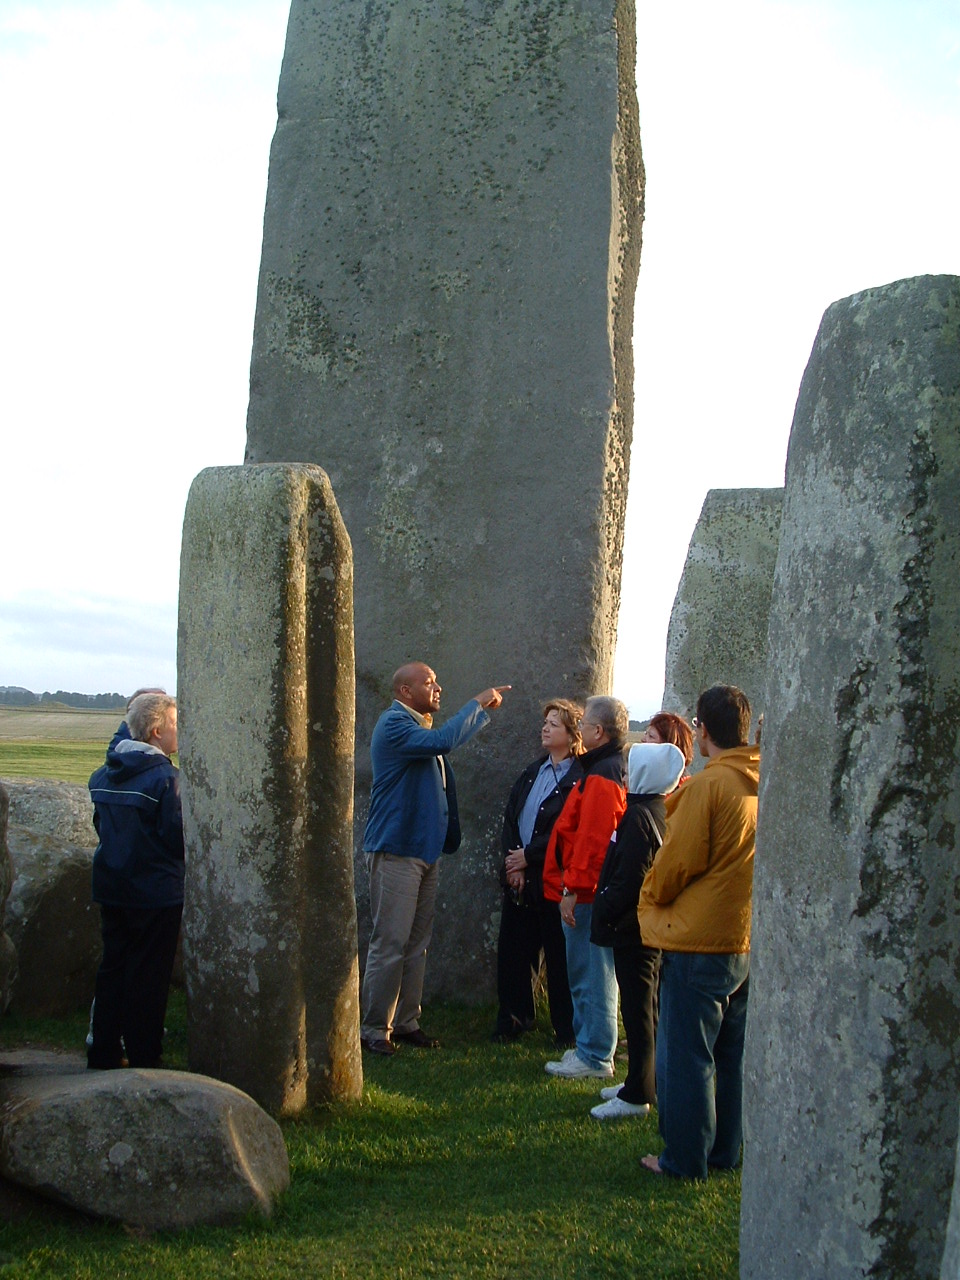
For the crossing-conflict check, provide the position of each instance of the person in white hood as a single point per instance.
(653, 770)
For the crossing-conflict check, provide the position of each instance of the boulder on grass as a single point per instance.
(162, 1150)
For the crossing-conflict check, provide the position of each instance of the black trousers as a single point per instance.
(637, 969)
(139, 946)
(524, 932)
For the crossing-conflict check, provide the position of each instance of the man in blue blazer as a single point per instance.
(413, 819)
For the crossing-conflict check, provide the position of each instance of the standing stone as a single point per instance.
(853, 1041)
(265, 680)
(718, 625)
(444, 321)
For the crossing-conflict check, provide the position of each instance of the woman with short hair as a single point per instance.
(528, 923)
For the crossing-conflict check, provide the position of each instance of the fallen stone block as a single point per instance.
(61, 810)
(53, 924)
(162, 1150)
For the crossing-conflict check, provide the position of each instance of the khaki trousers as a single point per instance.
(403, 895)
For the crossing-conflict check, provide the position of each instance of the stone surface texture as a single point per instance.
(266, 710)
(718, 624)
(444, 320)
(162, 1150)
(61, 810)
(53, 924)
(853, 1041)
(8, 952)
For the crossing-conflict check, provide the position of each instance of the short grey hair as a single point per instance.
(611, 715)
(148, 712)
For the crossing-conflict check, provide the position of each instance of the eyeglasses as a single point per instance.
(588, 724)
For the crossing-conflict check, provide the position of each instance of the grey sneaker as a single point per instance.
(610, 1091)
(617, 1109)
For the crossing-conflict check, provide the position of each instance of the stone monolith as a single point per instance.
(266, 696)
(718, 624)
(450, 253)
(853, 1066)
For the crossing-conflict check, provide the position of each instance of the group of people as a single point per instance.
(630, 878)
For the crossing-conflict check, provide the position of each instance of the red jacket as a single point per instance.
(582, 833)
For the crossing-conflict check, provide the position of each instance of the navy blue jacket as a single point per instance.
(411, 815)
(137, 814)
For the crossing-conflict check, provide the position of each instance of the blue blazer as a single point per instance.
(411, 814)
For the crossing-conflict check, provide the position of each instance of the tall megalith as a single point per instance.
(266, 695)
(853, 1041)
(718, 624)
(444, 321)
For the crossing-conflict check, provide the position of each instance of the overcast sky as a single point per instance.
(795, 153)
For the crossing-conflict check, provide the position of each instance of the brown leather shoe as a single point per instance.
(418, 1038)
(384, 1047)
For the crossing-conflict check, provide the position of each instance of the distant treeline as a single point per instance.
(13, 696)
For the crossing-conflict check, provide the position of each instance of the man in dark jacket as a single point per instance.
(138, 883)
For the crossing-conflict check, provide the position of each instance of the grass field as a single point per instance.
(56, 742)
(465, 1162)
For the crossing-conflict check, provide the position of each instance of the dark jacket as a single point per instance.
(137, 814)
(638, 837)
(547, 815)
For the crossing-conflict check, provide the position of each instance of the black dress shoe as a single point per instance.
(383, 1047)
(417, 1038)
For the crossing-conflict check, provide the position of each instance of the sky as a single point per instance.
(796, 152)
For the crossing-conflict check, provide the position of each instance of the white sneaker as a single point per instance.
(568, 1056)
(570, 1067)
(610, 1091)
(617, 1109)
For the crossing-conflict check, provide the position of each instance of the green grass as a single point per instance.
(466, 1162)
(52, 741)
(64, 761)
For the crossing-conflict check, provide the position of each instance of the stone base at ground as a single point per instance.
(162, 1150)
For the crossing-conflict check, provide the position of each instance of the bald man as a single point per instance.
(413, 819)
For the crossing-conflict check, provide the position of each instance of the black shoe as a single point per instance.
(417, 1038)
(383, 1047)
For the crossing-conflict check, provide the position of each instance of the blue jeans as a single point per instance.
(703, 1018)
(593, 986)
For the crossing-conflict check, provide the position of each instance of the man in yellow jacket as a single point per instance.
(695, 905)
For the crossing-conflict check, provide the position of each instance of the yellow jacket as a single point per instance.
(697, 894)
